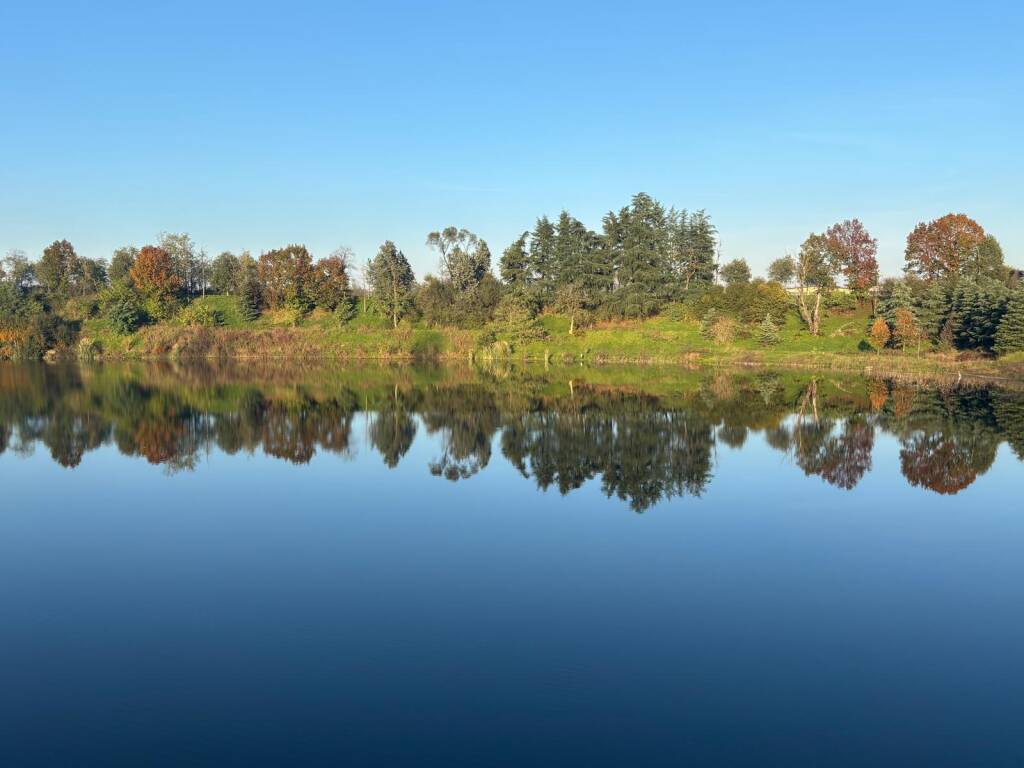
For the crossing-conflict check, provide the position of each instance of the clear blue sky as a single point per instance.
(254, 126)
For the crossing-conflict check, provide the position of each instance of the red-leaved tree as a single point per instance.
(940, 248)
(855, 250)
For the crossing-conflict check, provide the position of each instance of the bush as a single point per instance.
(515, 321)
(707, 323)
(840, 301)
(123, 308)
(202, 315)
(678, 313)
(82, 307)
(880, 333)
(346, 310)
(723, 330)
(126, 315)
(160, 306)
(765, 299)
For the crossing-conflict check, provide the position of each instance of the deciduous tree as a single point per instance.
(121, 263)
(224, 273)
(854, 251)
(816, 270)
(153, 273)
(330, 284)
(285, 275)
(880, 333)
(941, 248)
(736, 272)
(782, 270)
(58, 270)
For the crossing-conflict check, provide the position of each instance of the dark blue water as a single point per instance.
(373, 567)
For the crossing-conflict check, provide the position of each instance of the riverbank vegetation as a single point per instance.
(649, 286)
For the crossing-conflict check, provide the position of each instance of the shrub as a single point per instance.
(82, 307)
(724, 330)
(765, 299)
(838, 302)
(707, 323)
(200, 314)
(515, 321)
(678, 312)
(123, 307)
(880, 334)
(126, 314)
(346, 310)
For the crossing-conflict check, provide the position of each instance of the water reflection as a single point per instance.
(646, 441)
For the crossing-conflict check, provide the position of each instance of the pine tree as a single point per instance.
(1010, 334)
(640, 236)
(767, 332)
(935, 309)
(703, 239)
(895, 295)
(250, 299)
(979, 306)
(514, 265)
(542, 257)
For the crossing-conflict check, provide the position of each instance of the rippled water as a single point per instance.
(344, 566)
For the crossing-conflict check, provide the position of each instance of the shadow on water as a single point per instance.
(647, 435)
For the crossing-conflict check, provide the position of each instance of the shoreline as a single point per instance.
(166, 343)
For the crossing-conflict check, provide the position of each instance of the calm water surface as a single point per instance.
(371, 566)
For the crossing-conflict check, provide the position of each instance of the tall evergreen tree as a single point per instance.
(514, 265)
(250, 296)
(639, 240)
(979, 307)
(542, 258)
(934, 310)
(391, 281)
(1010, 334)
(895, 294)
(693, 242)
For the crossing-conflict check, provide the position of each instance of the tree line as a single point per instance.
(956, 292)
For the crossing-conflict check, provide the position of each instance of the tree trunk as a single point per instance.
(811, 319)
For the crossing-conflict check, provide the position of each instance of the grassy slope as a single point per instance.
(660, 339)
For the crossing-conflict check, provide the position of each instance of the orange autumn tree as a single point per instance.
(907, 333)
(153, 274)
(880, 334)
(941, 248)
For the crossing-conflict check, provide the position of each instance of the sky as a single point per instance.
(253, 126)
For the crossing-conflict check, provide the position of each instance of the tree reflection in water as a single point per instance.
(645, 443)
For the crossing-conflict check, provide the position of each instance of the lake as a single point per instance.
(291, 565)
